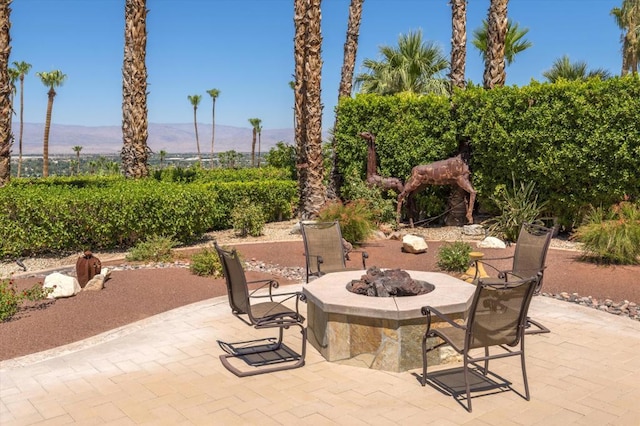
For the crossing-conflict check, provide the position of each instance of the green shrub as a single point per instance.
(155, 249)
(612, 235)
(283, 156)
(275, 198)
(11, 299)
(516, 207)
(247, 218)
(383, 210)
(206, 263)
(454, 257)
(354, 218)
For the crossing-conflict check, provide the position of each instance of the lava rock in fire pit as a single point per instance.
(388, 283)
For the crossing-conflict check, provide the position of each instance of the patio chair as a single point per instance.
(324, 248)
(528, 258)
(496, 318)
(264, 355)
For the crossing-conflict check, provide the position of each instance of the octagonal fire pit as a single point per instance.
(388, 283)
(383, 333)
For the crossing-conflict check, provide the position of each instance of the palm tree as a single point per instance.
(135, 126)
(514, 41)
(259, 129)
(195, 100)
(255, 123)
(23, 69)
(494, 68)
(214, 93)
(346, 80)
(163, 155)
(14, 75)
(350, 48)
(308, 105)
(6, 105)
(628, 19)
(52, 80)
(458, 42)
(563, 68)
(77, 150)
(413, 66)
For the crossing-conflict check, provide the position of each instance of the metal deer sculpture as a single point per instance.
(452, 171)
(373, 178)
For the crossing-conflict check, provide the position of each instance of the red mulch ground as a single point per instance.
(133, 295)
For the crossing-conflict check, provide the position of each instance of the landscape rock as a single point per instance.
(63, 285)
(95, 284)
(414, 244)
(297, 228)
(377, 235)
(475, 229)
(397, 235)
(492, 242)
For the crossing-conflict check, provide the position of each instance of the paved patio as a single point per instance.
(165, 370)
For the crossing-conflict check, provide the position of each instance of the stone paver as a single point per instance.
(165, 370)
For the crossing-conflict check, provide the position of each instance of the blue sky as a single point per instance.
(244, 48)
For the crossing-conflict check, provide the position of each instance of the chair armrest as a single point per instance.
(268, 282)
(318, 258)
(365, 256)
(483, 261)
(427, 310)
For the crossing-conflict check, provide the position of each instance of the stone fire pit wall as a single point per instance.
(379, 333)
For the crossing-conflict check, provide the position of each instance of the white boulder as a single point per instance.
(63, 285)
(492, 242)
(414, 244)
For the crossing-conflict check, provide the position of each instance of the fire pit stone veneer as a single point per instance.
(383, 333)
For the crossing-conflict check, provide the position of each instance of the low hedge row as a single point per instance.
(38, 219)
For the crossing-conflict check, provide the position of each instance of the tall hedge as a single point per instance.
(578, 141)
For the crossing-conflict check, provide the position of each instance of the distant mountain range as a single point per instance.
(172, 138)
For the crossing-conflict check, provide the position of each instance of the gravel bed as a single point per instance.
(286, 231)
(276, 231)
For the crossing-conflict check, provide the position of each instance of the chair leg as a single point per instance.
(423, 380)
(540, 329)
(465, 370)
(524, 375)
(486, 361)
(224, 359)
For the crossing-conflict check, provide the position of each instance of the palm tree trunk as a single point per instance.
(195, 124)
(47, 128)
(6, 136)
(346, 84)
(135, 151)
(494, 72)
(253, 148)
(21, 124)
(259, 146)
(314, 195)
(458, 42)
(213, 128)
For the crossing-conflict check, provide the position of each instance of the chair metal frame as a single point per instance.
(529, 258)
(324, 248)
(262, 315)
(490, 307)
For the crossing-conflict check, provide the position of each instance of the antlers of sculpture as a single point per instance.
(452, 171)
(373, 178)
